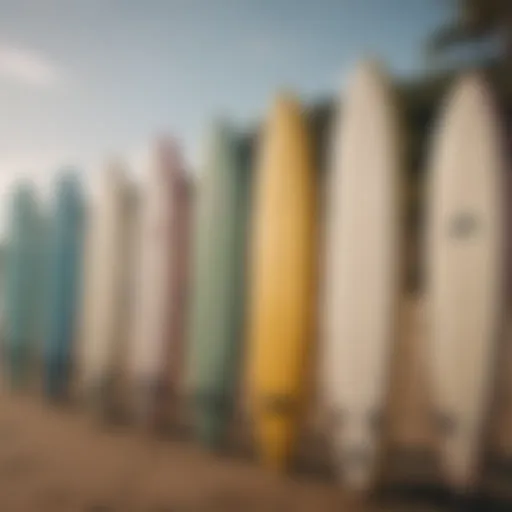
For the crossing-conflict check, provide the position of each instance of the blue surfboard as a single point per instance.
(65, 255)
(22, 291)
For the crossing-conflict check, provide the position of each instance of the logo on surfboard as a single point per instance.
(463, 225)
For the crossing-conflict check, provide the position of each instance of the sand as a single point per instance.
(56, 459)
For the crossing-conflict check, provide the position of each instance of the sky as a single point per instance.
(81, 80)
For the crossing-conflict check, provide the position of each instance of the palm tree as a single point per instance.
(476, 20)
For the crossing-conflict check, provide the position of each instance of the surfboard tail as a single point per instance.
(277, 438)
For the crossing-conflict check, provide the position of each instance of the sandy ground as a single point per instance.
(59, 459)
(54, 460)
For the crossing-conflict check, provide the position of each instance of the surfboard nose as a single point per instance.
(472, 84)
(470, 100)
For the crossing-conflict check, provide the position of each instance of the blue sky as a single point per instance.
(81, 79)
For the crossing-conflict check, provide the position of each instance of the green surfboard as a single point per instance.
(217, 303)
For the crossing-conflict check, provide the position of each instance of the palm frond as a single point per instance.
(449, 36)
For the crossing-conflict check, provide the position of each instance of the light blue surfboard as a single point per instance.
(65, 258)
(22, 286)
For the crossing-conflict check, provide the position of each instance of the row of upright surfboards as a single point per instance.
(245, 294)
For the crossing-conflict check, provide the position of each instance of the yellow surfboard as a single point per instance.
(282, 282)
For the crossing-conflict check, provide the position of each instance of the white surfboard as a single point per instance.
(464, 271)
(105, 300)
(150, 334)
(361, 272)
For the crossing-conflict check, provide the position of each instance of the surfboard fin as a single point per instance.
(280, 405)
(445, 423)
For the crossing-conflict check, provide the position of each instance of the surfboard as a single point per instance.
(361, 272)
(151, 332)
(464, 271)
(217, 296)
(105, 296)
(23, 297)
(170, 401)
(3, 299)
(282, 280)
(65, 255)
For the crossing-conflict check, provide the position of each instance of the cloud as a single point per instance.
(28, 67)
